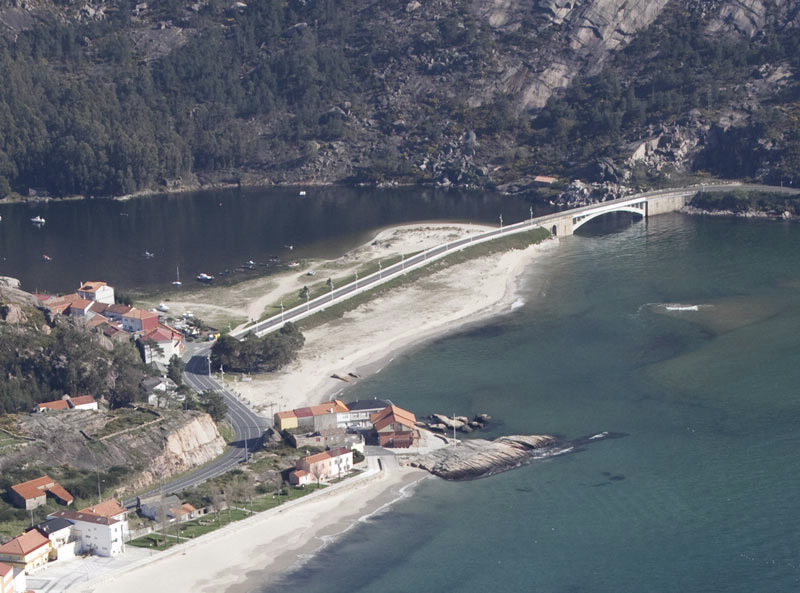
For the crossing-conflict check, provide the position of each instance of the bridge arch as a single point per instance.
(639, 208)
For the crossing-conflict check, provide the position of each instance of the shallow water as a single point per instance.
(700, 496)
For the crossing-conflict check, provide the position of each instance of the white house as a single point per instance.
(12, 580)
(102, 536)
(169, 341)
(97, 291)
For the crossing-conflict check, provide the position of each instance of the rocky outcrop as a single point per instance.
(478, 458)
(172, 443)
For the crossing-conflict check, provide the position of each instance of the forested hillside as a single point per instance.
(113, 97)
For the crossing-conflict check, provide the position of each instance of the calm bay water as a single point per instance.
(214, 231)
(702, 493)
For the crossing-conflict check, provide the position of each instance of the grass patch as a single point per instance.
(182, 532)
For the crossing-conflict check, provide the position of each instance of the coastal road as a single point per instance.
(248, 427)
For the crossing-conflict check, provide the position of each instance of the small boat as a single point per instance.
(177, 281)
(46, 257)
(37, 220)
(162, 307)
(149, 255)
(289, 247)
(205, 278)
(294, 264)
(302, 192)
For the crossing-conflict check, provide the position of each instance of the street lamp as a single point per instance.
(356, 280)
(530, 209)
(331, 289)
(501, 221)
(308, 295)
(209, 364)
(403, 262)
(380, 270)
(281, 311)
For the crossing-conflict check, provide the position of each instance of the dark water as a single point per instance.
(214, 231)
(701, 495)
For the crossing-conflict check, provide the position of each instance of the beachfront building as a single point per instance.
(328, 438)
(363, 409)
(97, 291)
(396, 427)
(331, 414)
(322, 466)
(94, 534)
(33, 493)
(28, 552)
(111, 509)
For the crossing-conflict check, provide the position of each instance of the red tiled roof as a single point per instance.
(5, 569)
(82, 400)
(107, 508)
(59, 404)
(92, 286)
(33, 488)
(162, 333)
(397, 414)
(135, 313)
(333, 453)
(289, 414)
(25, 544)
(85, 517)
(118, 309)
(80, 303)
(303, 412)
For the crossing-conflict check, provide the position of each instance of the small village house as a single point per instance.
(396, 427)
(322, 466)
(160, 344)
(111, 509)
(29, 552)
(59, 532)
(33, 493)
(97, 291)
(82, 402)
(139, 320)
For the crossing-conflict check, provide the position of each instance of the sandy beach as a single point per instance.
(258, 550)
(255, 552)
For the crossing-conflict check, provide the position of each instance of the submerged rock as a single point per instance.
(479, 458)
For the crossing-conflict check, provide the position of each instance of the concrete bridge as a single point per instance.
(646, 204)
(560, 224)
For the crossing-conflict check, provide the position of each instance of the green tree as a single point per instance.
(175, 369)
(213, 404)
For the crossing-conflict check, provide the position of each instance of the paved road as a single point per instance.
(248, 427)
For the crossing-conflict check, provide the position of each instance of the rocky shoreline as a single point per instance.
(479, 458)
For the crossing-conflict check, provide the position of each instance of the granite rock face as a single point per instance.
(478, 458)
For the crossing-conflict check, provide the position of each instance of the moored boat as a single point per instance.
(37, 220)
(205, 277)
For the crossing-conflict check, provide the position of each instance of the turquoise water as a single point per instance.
(702, 493)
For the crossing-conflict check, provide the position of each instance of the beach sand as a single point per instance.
(266, 546)
(256, 552)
